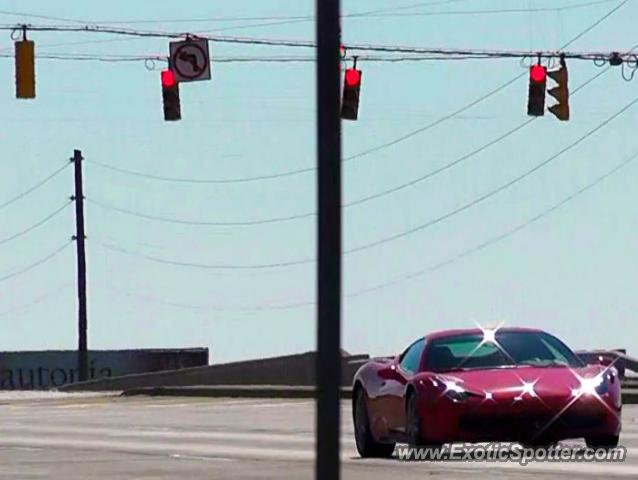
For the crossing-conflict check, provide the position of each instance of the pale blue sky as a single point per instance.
(573, 273)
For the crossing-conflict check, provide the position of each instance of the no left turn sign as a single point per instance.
(190, 60)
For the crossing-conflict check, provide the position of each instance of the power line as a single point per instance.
(179, 221)
(391, 238)
(200, 180)
(219, 19)
(203, 266)
(359, 201)
(498, 238)
(385, 14)
(288, 19)
(495, 191)
(34, 187)
(36, 263)
(35, 225)
(429, 269)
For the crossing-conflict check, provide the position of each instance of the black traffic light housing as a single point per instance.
(351, 90)
(560, 92)
(170, 96)
(25, 66)
(537, 86)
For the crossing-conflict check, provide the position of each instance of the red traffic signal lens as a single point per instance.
(538, 73)
(353, 77)
(168, 78)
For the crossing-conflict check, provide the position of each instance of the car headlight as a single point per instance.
(454, 391)
(590, 386)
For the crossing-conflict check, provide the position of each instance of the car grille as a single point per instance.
(518, 423)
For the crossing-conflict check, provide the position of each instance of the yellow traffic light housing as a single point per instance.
(25, 68)
(560, 92)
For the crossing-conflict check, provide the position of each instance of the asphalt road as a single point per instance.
(88, 437)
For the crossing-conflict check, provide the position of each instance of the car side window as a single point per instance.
(412, 357)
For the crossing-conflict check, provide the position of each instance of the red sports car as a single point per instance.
(473, 385)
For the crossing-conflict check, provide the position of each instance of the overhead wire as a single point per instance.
(495, 191)
(36, 225)
(368, 198)
(371, 150)
(181, 221)
(404, 278)
(396, 236)
(392, 238)
(285, 19)
(33, 188)
(35, 264)
(202, 266)
(502, 236)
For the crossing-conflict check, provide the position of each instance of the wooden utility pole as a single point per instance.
(328, 368)
(83, 356)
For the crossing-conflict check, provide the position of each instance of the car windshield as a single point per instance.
(507, 349)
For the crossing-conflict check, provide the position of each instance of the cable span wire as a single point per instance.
(180, 221)
(100, 29)
(34, 187)
(495, 191)
(35, 225)
(370, 150)
(36, 263)
(429, 269)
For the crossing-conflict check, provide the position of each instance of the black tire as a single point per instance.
(413, 423)
(413, 430)
(367, 446)
(602, 441)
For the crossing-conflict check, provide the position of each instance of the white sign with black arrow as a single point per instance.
(190, 60)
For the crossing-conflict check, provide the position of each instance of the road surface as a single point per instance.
(92, 437)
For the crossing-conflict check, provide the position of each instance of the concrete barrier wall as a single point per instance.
(622, 361)
(31, 370)
(296, 370)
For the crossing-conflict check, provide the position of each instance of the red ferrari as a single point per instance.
(474, 385)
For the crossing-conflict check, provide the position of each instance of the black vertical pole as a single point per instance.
(328, 368)
(83, 358)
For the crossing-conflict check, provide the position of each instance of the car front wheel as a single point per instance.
(602, 441)
(367, 446)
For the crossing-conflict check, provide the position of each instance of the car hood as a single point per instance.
(518, 380)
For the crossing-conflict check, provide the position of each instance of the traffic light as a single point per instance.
(170, 96)
(351, 89)
(537, 84)
(25, 68)
(560, 92)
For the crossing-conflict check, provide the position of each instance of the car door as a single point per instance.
(407, 366)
